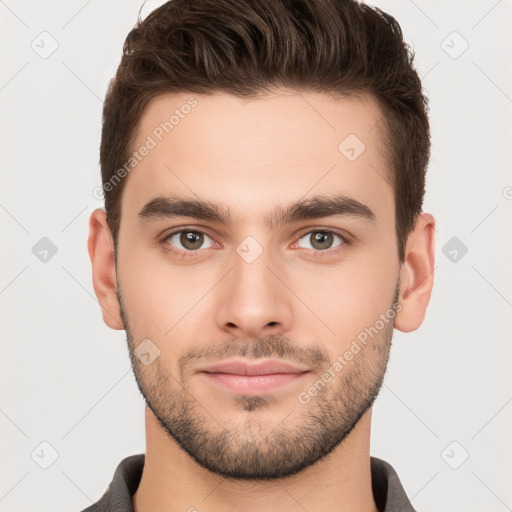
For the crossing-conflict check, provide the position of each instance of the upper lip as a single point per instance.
(267, 367)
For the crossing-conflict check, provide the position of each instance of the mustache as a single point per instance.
(271, 346)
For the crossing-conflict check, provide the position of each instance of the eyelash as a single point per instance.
(191, 254)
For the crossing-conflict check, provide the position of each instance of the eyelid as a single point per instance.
(179, 229)
(182, 229)
(345, 241)
(338, 231)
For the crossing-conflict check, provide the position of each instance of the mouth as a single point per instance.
(253, 378)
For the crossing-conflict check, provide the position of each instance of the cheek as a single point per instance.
(163, 300)
(347, 297)
(148, 272)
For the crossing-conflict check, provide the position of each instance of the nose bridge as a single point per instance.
(253, 298)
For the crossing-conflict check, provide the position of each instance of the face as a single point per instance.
(257, 264)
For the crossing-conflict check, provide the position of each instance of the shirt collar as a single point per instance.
(388, 493)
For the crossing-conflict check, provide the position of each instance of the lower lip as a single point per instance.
(253, 384)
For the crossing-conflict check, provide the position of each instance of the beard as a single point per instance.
(244, 447)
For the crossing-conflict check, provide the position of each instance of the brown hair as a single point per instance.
(247, 47)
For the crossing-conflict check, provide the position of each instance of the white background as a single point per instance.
(66, 377)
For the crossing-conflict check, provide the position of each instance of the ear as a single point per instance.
(417, 274)
(101, 251)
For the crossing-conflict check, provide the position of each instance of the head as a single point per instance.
(264, 170)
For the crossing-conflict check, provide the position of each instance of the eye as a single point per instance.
(186, 240)
(321, 240)
(186, 243)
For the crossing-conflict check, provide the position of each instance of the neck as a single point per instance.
(173, 481)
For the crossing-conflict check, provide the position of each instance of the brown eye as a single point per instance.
(188, 240)
(321, 240)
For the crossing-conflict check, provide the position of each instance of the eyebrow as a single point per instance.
(166, 207)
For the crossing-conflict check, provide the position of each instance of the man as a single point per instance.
(264, 168)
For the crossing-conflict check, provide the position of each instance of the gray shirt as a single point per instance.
(388, 493)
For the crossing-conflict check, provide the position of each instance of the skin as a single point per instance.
(249, 156)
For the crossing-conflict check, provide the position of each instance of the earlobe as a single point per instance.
(417, 274)
(101, 252)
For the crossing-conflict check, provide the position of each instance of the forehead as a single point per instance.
(253, 153)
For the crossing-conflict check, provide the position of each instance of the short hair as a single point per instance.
(248, 47)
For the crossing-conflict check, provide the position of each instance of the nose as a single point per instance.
(254, 300)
